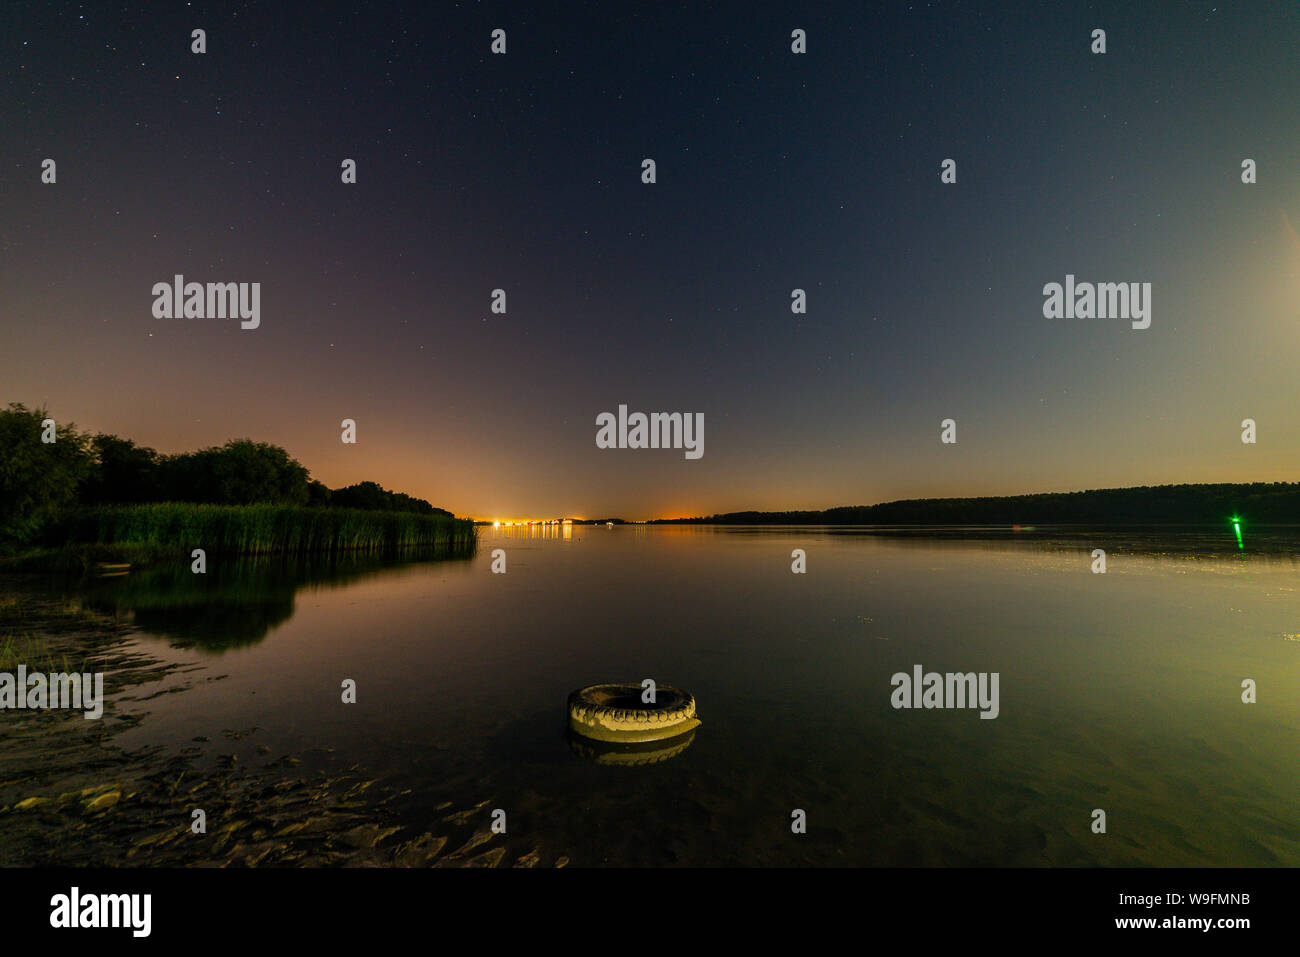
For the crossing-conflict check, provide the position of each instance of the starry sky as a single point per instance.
(775, 171)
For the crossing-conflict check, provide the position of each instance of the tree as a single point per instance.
(37, 477)
(318, 494)
(241, 472)
(371, 496)
(125, 473)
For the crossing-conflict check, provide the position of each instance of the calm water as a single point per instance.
(1118, 691)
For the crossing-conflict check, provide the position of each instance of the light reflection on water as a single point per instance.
(1118, 691)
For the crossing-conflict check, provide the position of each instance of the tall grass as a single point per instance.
(254, 529)
(37, 653)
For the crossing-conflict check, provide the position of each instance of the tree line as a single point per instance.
(37, 477)
(1255, 502)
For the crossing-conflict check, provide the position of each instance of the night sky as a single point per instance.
(775, 171)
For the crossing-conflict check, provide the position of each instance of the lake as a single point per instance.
(1119, 691)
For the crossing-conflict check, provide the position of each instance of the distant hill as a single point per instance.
(1254, 503)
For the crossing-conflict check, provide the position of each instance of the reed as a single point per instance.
(253, 529)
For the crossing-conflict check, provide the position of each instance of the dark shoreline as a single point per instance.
(70, 796)
(1254, 502)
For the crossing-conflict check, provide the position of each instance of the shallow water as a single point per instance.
(1119, 692)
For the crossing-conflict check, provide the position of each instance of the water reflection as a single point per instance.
(1267, 542)
(629, 755)
(540, 531)
(1119, 691)
(239, 600)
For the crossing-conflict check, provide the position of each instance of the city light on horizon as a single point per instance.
(674, 295)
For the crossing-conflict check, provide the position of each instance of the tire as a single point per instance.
(615, 712)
